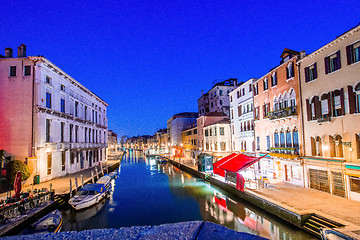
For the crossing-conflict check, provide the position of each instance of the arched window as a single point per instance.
(324, 105)
(276, 104)
(313, 146)
(274, 79)
(292, 98)
(266, 84)
(289, 70)
(288, 139)
(285, 100)
(318, 146)
(339, 147)
(331, 146)
(276, 139)
(282, 139)
(295, 138)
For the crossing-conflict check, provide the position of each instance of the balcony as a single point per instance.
(288, 152)
(283, 113)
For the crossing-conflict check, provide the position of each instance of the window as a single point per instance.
(48, 80)
(238, 94)
(76, 133)
(243, 91)
(222, 146)
(267, 143)
(337, 103)
(257, 113)
(63, 160)
(62, 87)
(12, 71)
(48, 100)
(239, 111)
(76, 108)
(339, 147)
(257, 143)
(47, 139)
(85, 112)
(222, 132)
(62, 129)
(231, 98)
(71, 133)
(221, 102)
(357, 98)
(295, 138)
(276, 139)
(282, 139)
(266, 84)
(232, 114)
(250, 88)
(206, 133)
(266, 109)
(27, 70)
(49, 163)
(256, 89)
(72, 157)
(290, 71)
(353, 53)
(288, 139)
(220, 92)
(332, 63)
(85, 135)
(324, 105)
(62, 105)
(310, 73)
(274, 79)
(215, 131)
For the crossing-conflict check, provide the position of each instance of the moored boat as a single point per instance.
(105, 180)
(88, 195)
(50, 223)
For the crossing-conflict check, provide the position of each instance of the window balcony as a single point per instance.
(282, 113)
(285, 150)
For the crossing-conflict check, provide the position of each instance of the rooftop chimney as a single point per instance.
(202, 92)
(8, 52)
(21, 50)
(302, 54)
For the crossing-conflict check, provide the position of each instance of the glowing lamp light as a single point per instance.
(326, 147)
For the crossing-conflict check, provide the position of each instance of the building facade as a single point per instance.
(330, 86)
(49, 119)
(189, 140)
(278, 121)
(176, 124)
(242, 118)
(217, 138)
(216, 99)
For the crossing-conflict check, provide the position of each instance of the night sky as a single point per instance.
(150, 59)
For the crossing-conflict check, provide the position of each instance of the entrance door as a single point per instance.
(319, 180)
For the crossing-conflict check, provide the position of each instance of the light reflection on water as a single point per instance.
(148, 193)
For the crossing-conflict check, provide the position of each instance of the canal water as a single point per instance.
(148, 193)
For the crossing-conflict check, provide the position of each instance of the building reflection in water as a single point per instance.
(216, 207)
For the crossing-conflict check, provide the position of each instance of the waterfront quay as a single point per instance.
(303, 207)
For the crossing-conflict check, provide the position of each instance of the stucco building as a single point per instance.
(330, 86)
(217, 138)
(49, 119)
(242, 118)
(176, 124)
(278, 121)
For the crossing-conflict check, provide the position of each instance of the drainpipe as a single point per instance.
(33, 112)
(302, 123)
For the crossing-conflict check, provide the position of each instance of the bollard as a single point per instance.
(70, 188)
(82, 180)
(76, 185)
(50, 187)
(97, 173)
(102, 170)
(92, 176)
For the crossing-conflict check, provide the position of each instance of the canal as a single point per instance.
(147, 193)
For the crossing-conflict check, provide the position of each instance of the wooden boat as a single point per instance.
(105, 180)
(330, 234)
(88, 196)
(50, 223)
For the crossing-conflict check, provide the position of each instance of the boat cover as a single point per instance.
(100, 188)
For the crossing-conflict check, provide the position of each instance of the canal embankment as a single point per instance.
(307, 209)
(61, 187)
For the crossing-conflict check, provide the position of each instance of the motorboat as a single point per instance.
(50, 223)
(105, 180)
(330, 234)
(88, 195)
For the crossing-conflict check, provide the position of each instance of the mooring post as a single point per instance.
(82, 180)
(102, 170)
(50, 187)
(70, 188)
(92, 176)
(97, 173)
(76, 185)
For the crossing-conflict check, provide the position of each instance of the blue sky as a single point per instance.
(150, 59)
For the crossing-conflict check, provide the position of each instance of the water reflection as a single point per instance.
(150, 193)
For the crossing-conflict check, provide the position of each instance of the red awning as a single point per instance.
(223, 160)
(237, 163)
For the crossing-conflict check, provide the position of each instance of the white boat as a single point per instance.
(88, 195)
(105, 180)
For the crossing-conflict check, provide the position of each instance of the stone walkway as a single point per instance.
(61, 184)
